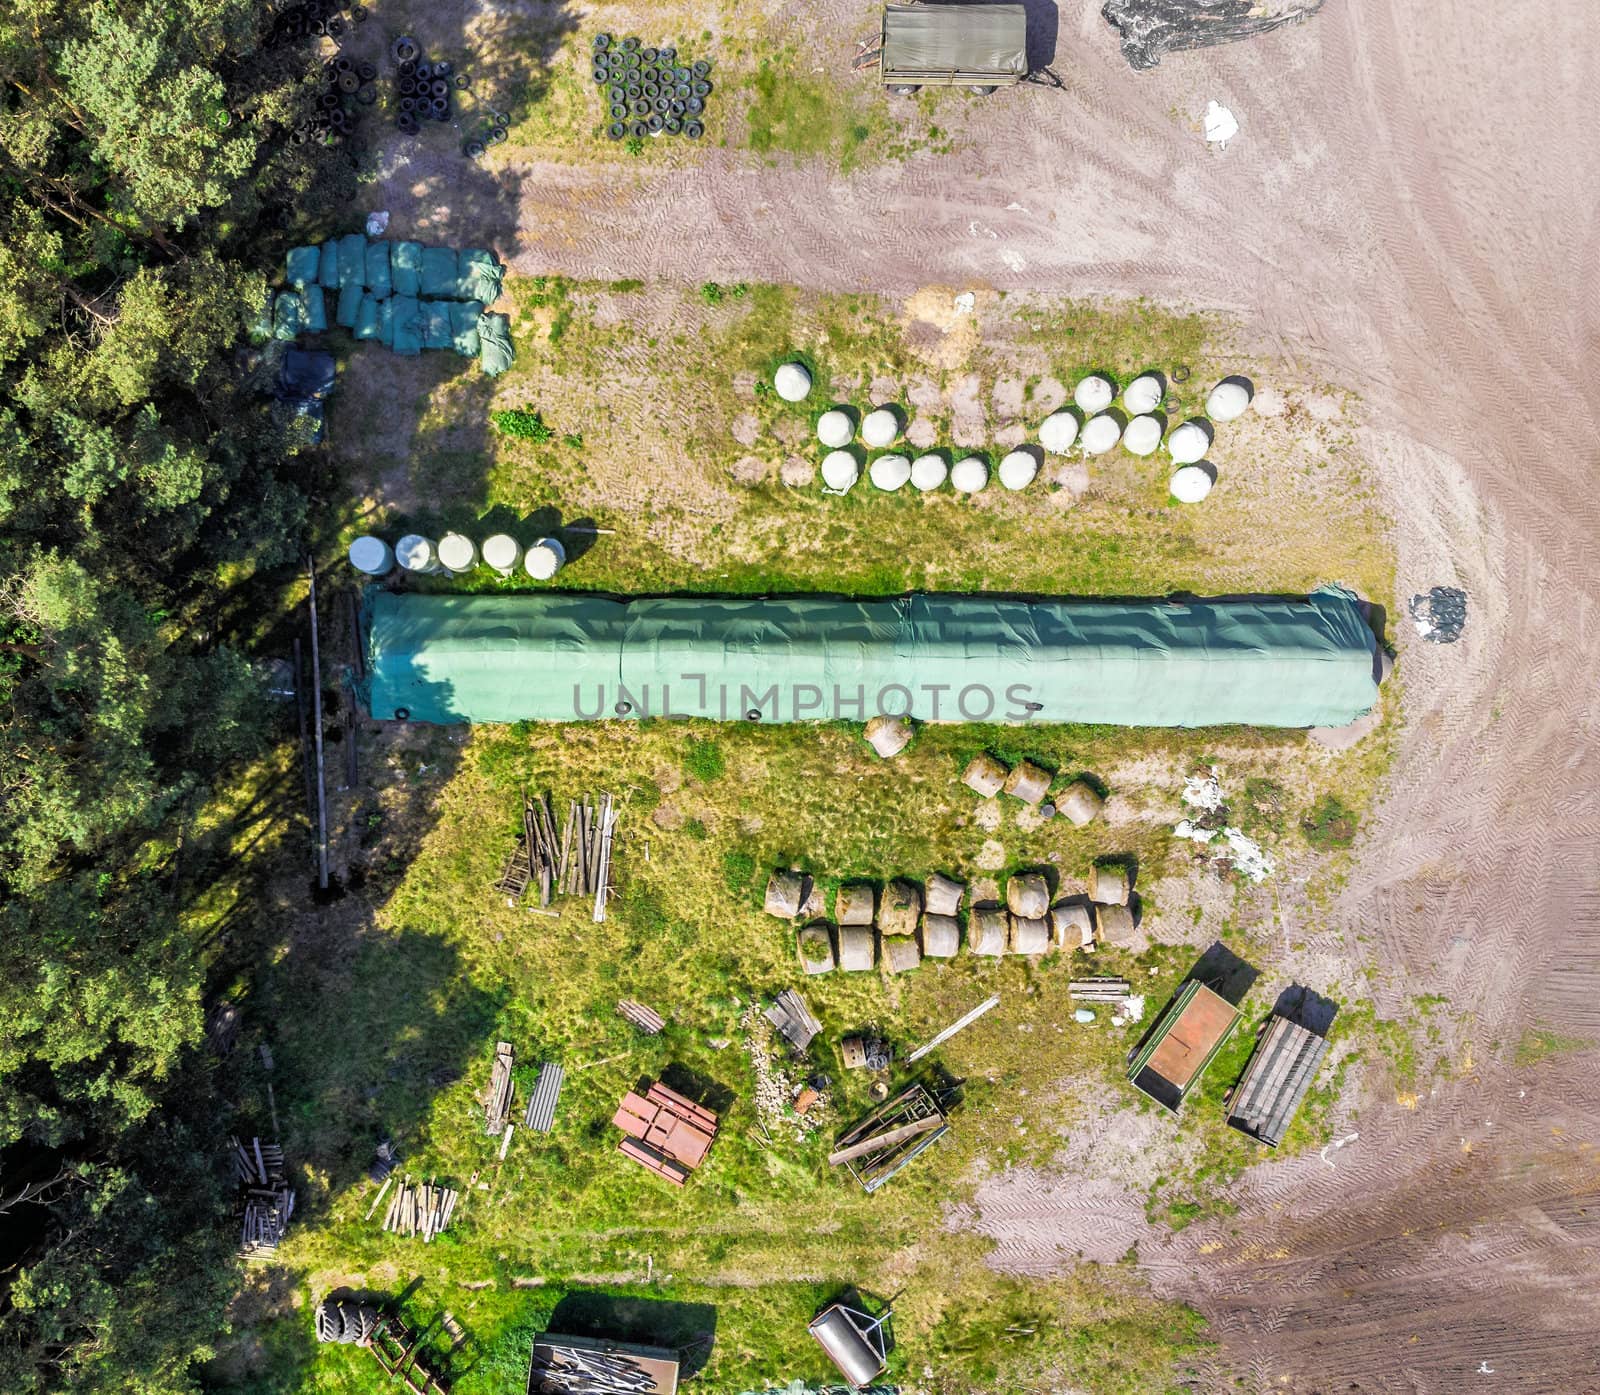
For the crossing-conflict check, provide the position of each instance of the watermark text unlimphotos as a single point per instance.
(695, 695)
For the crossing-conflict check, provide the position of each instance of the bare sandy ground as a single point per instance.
(1409, 210)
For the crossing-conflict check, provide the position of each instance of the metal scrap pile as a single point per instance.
(588, 1372)
(1150, 28)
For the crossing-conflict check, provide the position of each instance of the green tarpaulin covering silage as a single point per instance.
(407, 325)
(405, 266)
(366, 325)
(328, 266)
(436, 331)
(494, 348)
(561, 657)
(316, 306)
(349, 306)
(378, 279)
(480, 276)
(304, 265)
(353, 260)
(386, 323)
(438, 273)
(288, 315)
(464, 327)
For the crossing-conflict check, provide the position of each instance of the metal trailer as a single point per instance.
(1182, 1044)
(984, 47)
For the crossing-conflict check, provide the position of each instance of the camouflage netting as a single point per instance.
(1150, 28)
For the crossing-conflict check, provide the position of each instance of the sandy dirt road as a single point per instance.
(1409, 210)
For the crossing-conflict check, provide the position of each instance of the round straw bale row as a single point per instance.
(815, 943)
(1071, 925)
(1080, 802)
(942, 895)
(1108, 884)
(901, 908)
(1114, 924)
(1028, 895)
(855, 903)
(940, 936)
(986, 775)
(786, 893)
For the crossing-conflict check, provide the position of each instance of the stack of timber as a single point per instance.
(497, 1103)
(793, 1019)
(345, 1320)
(647, 1020)
(541, 1115)
(1099, 990)
(1276, 1081)
(266, 1217)
(256, 1164)
(574, 862)
(420, 1208)
(589, 1373)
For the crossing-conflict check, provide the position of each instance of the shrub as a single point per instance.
(703, 759)
(1329, 824)
(524, 423)
(711, 293)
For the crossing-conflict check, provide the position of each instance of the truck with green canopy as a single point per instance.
(982, 47)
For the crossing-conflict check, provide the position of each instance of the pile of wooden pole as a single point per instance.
(584, 1372)
(497, 1103)
(420, 1208)
(1098, 990)
(574, 862)
(256, 1164)
(266, 1217)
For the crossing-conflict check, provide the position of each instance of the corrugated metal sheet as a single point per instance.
(542, 1103)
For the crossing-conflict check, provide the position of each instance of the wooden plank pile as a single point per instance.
(420, 1208)
(345, 1320)
(257, 1164)
(541, 1115)
(1098, 990)
(574, 862)
(1277, 1079)
(666, 1132)
(793, 1020)
(647, 1020)
(497, 1102)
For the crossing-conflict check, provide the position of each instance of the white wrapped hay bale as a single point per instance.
(855, 903)
(941, 895)
(1188, 443)
(416, 553)
(1018, 469)
(545, 558)
(458, 553)
(1028, 895)
(941, 936)
(502, 552)
(793, 382)
(880, 427)
(987, 932)
(835, 429)
(1080, 802)
(1058, 431)
(815, 945)
(929, 472)
(1029, 936)
(985, 774)
(890, 472)
(1094, 394)
(1071, 926)
(969, 475)
(857, 948)
(1143, 394)
(888, 736)
(840, 471)
(1100, 434)
(1190, 485)
(372, 556)
(1142, 436)
(1229, 400)
(1108, 884)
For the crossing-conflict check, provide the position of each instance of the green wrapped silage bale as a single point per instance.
(366, 326)
(316, 309)
(479, 275)
(303, 266)
(405, 260)
(407, 325)
(328, 269)
(378, 281)
(261, 324)
(438, 273)
(386, 322)
(494, 340)
(464, 327)
(436, 331)
(349, 305)
(353, 260)
(288, 315)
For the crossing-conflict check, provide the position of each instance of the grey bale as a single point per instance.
(987, 931)
(1113, 924)
(901, 908)
(901, 955)
(986, 775)
(815, 944)
(942, 895)
(1071, 926)
(941, 936)
(857, 948)
(1029, 936)
(888, 736)
(1080, 802)
(1108, 884)
(785, 892)
(1028, 895)
(1028, 782)
(854, 904)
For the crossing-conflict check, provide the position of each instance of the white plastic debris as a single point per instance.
(1058, 431)
(1018, 469)
(1203, 792)
(840, 471)
(792, 381)
(889, 472)
(880, 428)
(1099, 435)
(966, 302)
(834, 429)
(1093, 394)
(377, 224)
(929, 472)
(1220, 125)
(1129, 1010)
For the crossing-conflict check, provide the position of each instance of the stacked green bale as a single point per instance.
(439, 275)
(495, 354)
(407, 334)
(288, 315)
(378, 279)
(464, 327)
(328, 266)
(366, 325)
(304, 266)
(406, 268)
(316, 309)
(479, 276)
(436, 330)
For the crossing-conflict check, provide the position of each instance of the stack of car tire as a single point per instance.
(650, 91)
(424, 88)
(314, 19)
(343, 81)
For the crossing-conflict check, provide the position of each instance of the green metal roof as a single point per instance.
(558, 656)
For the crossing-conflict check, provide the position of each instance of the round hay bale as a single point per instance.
(1028, 782)
(1071, 925)
(890, 472)
(1108, 884)
(840, 471)
(502, 553)
(1191, 484)
(1029, 936)
(1080, 802)
(857, 948)
(987, 932)
(941, 936)
(835, 429)
(901, 956)
(1229, 400)
(1099, 435)
(888, 736)
(416, 553)
(929, 472)
(1113, 924)
(793, 382)
(942, 895)
(815, 944)
(1057, 432)
(1142, 437)
(458, 552)
(1143, 394)
(854, 904)
(1188, 443)
(785, 891)
(371, 555)
(880, 427)
(969, 475)
(986, 775)
(1018, 469)
(901, 908)
(1028, 896)
(1094, 394)
(545, 558)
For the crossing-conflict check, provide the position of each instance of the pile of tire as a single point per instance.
(650, 91)
(313, 19)
(346, 86)
(344, 1320)
(426, 90)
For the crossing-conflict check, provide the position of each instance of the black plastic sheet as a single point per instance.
(1150, 28)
